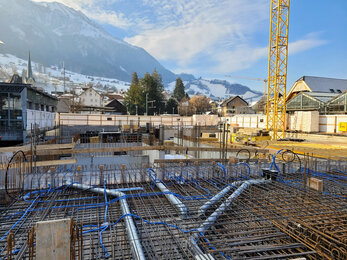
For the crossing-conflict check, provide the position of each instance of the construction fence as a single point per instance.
(302, 121)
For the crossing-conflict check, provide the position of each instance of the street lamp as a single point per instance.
(146, 104)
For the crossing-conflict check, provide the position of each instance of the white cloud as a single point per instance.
(181, 32)
(188, 28)
(244, 56)
(108, 17)
(310, 41)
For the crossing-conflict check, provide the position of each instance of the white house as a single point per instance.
(91, 98)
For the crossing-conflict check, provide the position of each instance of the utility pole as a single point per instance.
(146, 104)
(64, 75)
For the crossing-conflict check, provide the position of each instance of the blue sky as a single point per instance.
(212, 38)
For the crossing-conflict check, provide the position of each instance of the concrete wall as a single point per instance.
(306, 121)
(312, 122)
(43, 119)
(116, 120)
(253, 120)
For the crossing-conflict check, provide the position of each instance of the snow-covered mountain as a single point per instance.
(218, 89)
(52, 79)
(54, 33)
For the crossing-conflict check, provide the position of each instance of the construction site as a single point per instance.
(270, 186)
(172, 193)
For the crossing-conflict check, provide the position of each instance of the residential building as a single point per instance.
(91, 98)
(233, 105)
(116, 107)
(260, 106)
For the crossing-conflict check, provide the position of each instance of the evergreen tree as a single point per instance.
(159, 86)
(134, 79)
(134, 97)
(153, 88)
(172, 106)
(179, 90)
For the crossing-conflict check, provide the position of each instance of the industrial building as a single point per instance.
(24, 108)
(325, 95)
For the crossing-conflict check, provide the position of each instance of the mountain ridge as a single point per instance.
(54, 33)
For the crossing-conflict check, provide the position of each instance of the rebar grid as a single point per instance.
(266, 221)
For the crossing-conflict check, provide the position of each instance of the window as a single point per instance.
(109, 119)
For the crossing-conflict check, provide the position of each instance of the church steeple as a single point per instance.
(29, 78)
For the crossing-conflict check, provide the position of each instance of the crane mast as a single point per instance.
(277, 73)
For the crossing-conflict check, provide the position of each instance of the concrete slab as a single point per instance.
(53, 239)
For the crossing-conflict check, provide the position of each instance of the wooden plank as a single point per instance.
(27, 148)
(140, 148)
(189, 160)
(203, 160)
(41, 163)
(100, 150)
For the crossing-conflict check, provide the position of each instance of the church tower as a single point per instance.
(29, 78)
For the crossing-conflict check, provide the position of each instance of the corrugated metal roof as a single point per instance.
(324, 97)
(320, 84)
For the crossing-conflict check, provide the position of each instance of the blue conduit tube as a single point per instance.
(223, 168)
(98, 205)
(134, 241)
(217, 197)
(168, 194)
(246, 164)
(166, 224)
(213, 217)
(19, 220)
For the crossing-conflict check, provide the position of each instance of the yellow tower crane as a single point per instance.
(277, 74)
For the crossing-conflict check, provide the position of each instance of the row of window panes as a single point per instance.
(14, 124)
(36, 106)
